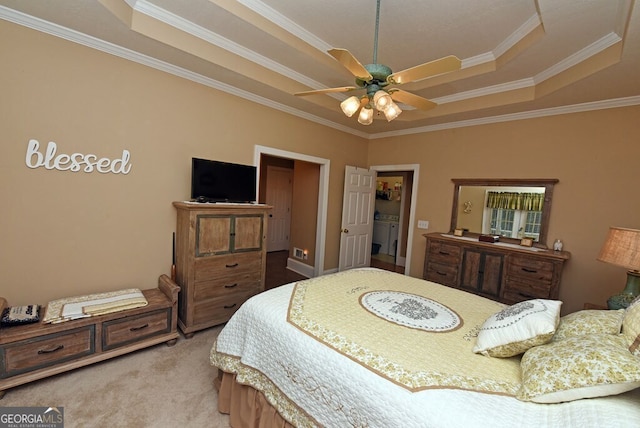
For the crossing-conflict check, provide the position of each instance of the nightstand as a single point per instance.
(594, 306)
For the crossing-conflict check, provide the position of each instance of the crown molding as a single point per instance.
(216, 39)
(576, 58)
(533, 114)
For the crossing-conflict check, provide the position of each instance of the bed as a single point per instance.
(371, 348)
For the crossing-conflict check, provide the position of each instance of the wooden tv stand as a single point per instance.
(35, 351)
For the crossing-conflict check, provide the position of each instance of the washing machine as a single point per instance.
(393, 238)
(381, 235)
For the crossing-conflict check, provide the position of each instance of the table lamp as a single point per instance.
(622, 248)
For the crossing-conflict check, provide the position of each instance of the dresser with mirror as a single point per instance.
(518, 265)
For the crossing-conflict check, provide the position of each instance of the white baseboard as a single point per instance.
(300, 268)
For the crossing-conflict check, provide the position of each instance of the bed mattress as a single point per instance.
(312, 383)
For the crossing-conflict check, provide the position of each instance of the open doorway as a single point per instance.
(306, 229)
(393, 216)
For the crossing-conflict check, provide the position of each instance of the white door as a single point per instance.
(278, 194)
(357, 218)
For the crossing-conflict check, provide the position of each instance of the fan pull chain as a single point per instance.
(375, 37)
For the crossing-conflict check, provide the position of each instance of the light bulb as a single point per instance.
(382, 100)
(366, 115)
(392, 111)
(350, 105)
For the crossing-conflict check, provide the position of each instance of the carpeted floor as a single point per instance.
(156, 387)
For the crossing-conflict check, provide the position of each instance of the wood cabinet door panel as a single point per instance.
(471, 265)
(492, 274)
(482, 272)
(248, 233)
(213, 235)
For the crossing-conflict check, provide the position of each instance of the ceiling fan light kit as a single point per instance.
(366, 115)
(350, 105)
(382, 100)
(392, 111)
(375, 77)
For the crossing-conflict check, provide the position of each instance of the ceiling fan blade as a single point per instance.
(326, 91)
(433, 68)
(350, 62)
(411, 99)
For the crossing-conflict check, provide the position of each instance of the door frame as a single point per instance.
(323, 195)
(412, 207)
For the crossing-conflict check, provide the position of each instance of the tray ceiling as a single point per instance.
(520, 58)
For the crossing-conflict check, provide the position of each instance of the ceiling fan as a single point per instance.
(376, 78)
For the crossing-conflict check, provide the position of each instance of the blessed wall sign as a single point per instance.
(76, 161)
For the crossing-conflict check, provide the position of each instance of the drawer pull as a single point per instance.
(231, 285)
(230, 306)
(232, 266)
(444, 253)
(528, 296)
(441, 273)
(139, 328)
(530, 270)
(49, 351)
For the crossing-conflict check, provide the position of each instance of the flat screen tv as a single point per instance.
(215, 181)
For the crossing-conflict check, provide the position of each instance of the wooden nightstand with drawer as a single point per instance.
(35, 351)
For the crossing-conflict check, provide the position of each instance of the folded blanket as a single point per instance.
(93, 304)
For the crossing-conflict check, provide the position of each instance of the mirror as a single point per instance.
(470, 209)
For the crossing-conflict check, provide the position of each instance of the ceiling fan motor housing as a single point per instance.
(379, 72)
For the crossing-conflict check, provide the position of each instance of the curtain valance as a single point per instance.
(516, 201)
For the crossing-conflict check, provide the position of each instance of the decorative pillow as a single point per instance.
(16, 315)
(578, 367)
(631, 326)
(590, 321)
(519, 327)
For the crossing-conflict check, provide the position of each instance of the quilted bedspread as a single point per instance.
(314, 377)
(415, 333)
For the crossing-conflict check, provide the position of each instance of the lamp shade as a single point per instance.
(622, 248)
(366, 115)
(392, 111)
(350, 105)
(382, 100)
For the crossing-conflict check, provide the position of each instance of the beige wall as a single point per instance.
(593, 154)
(304, 209)
(68, 233)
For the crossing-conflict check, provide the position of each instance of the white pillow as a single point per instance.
(518, 327)
(578, 367)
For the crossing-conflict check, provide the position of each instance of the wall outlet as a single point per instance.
(423, 224)
(298, 253)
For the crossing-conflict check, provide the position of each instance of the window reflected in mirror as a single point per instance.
(513, 209)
